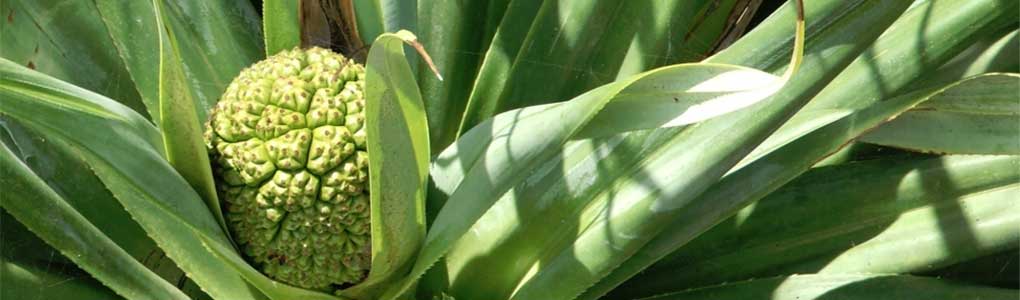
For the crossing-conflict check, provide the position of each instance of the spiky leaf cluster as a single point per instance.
(288, 140)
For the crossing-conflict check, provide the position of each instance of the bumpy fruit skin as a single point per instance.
(288, 143)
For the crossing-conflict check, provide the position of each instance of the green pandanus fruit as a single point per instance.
(288, 142)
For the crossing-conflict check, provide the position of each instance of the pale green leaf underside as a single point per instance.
(972, 119)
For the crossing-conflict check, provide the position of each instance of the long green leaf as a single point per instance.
(504, 156)
(722, 200)
(993, 54)
(750, 183)
(849, 286)
(42, 210)
(587, 166)
(919, 206)
(397, 136)
(25, 247)
(978, 120)
(477, 181)
(182, 132)
(504, 162)
(625, 216)
(123, 150)
(976, 225)
(923, 40)
(280, 25)
(58, 164)
(678, 97)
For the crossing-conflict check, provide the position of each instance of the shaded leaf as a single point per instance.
(942, 210)
(28, 281)
(59, 38)
(844, 286)
(59, 166)
(42, 210)
(554, 50)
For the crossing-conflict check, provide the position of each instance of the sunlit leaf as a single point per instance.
(397, 136)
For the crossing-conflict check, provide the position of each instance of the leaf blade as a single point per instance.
(56, 222)
(397, 138)
(181, 130)
(844, 286)
(280, 25)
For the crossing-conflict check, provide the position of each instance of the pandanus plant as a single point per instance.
(840, 149)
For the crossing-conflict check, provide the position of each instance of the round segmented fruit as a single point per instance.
(288, 142)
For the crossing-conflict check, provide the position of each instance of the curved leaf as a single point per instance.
(215, 39)
(750, 181)
(397, 136)
(182, 132)
(646, 199)
(505, 161)
(508, 152)
(680, 95)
